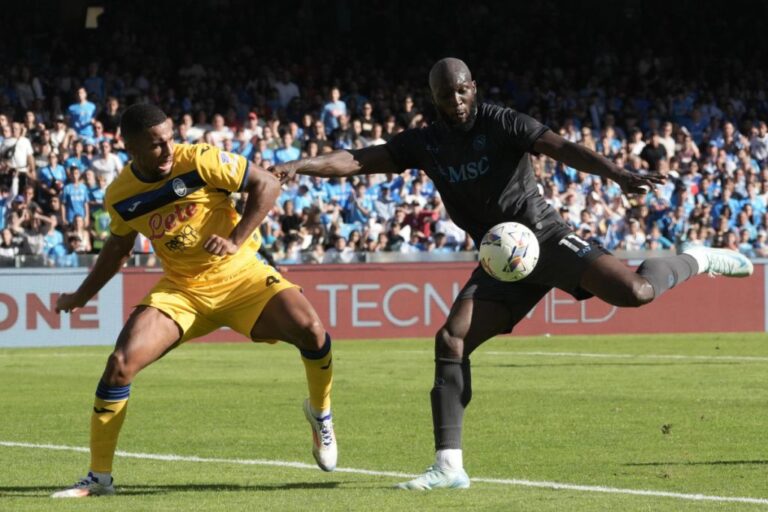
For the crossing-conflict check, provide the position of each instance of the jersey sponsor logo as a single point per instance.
(575, 243)
(467, 171)
(179, 187)
(159, 224)
(185, 238)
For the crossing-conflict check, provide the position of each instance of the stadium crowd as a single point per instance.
(60, 145)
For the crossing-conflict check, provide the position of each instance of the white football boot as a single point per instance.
(437, 478)
(88, 486)
(323, 439)
(721, 262)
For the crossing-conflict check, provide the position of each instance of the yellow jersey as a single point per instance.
(181, 211)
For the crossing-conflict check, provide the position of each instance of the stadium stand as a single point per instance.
(650, 94)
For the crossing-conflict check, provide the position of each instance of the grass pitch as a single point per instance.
(678, 414)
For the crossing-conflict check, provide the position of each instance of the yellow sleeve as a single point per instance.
(117, 226)
(221, 169)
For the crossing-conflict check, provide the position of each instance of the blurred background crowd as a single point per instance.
(673, 93)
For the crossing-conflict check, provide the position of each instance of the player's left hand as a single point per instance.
(633, 183)
(220, 246)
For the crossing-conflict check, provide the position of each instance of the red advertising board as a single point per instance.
(413, 299)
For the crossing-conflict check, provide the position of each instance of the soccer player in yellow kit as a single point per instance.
(177, 195)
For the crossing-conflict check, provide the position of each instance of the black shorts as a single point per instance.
(562, 260)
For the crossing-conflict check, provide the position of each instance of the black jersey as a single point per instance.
(484, 175)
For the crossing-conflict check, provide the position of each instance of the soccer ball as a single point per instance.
(509, 251)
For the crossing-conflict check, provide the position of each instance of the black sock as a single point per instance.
(666, 272)
(450, 395)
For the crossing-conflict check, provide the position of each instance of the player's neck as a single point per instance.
(148, 177)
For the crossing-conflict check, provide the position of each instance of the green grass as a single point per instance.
(684, 425)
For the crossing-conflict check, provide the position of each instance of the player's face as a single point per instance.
(455, 101)
(152, 151)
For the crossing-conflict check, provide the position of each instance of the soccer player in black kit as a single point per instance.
(477, 157)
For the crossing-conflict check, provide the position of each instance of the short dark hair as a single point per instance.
(139, 117)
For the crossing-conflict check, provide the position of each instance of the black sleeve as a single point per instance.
(407, 149)
(521, 130)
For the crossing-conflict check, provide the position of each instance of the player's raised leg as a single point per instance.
(470, 323)
(289, 316)
(612, 281)
(146, 336)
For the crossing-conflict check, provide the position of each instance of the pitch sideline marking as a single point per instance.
(302, 465)
(606, 355)
(628, 356)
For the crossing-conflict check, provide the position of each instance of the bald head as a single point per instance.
(453, 92)
(448, 71)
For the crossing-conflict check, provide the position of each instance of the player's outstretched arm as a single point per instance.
(111, 258)
(263, 189)
(374, 159)
(585, 160)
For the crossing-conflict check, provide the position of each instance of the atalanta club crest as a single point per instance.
(179, 187)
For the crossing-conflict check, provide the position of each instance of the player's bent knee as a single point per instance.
(119, 371)
(642, 293)
(312, 335)
(448, 345)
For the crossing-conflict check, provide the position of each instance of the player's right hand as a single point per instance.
(68, 302)
(283, 172)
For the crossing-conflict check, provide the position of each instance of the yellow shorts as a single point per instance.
(235, 302)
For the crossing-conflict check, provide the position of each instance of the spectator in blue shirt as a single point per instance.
(339, 190)
(81, 114)
(53, 240)
(97, 188)
(318, 190)
(359, 206)
(242, 145)
(726, 200)
(287, 152)
(332, 110)
(302, 199)
(70, 256)
(441, 244)
(267, 154)
(744, 223)
(746, 246)
(51, 178)
(78, 159)
(757, 202)
(74, 198)
(5, 203)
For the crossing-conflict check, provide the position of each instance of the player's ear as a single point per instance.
(130, 144)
